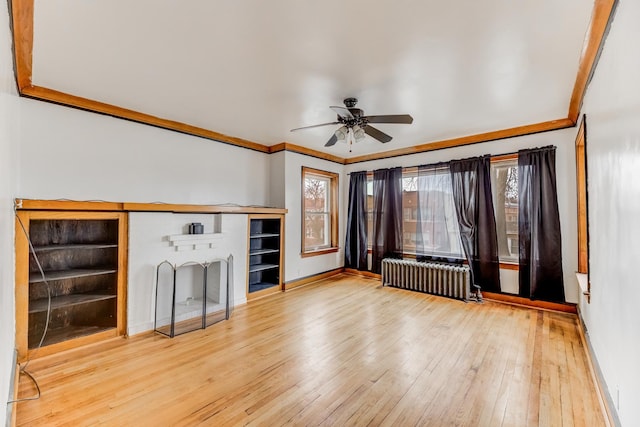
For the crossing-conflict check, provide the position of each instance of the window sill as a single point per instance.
(319, 252)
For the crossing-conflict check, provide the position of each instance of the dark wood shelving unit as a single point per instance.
(265, 255)
(80, 297)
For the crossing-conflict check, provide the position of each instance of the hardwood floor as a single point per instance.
(343, 351)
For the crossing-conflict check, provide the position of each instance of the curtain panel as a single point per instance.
(387, 216)
(540, 245)
(471, 181)
(355, 254)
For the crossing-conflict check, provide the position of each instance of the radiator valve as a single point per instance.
(478, 294)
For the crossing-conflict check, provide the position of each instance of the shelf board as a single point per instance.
(260, 267)
(254, 287)
(263, 251)
(80, 246)
(40, 305)
(58, 335)
(68, 274)
(261, 235)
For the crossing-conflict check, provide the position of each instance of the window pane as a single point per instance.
(316, 230)
(439, 232)
(316, 194)
(410, 211)
(504, 183)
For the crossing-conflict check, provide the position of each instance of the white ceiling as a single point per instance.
(255, 69)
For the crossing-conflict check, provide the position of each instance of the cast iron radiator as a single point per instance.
(429, 277)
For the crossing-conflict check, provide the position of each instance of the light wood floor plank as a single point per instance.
(343, 351)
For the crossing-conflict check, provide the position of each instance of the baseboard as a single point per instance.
(604, 397)
(360, 273)
(312, 278)
(139, 328)
(13, 391)
(525, 302)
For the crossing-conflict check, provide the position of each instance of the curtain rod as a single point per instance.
(490, 155)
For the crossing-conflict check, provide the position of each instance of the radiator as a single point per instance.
(429, 277)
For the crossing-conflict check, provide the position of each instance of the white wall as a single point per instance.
(612, 318)
(296, 266)
(9, 118)
(565, 167)
(149, 246)
(73, 154)
(277, 196)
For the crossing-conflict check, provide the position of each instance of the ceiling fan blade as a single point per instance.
(394, 118)
(315, 126)
(331, 140)
(377, 134)
(342, 112)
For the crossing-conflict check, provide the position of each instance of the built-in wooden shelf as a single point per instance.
(265, 255)
(68, 274)
(39, 305)
(83, 254)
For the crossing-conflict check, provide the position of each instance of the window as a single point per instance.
(433, 229)
(429, 193)
(504, 185)
(319, 211)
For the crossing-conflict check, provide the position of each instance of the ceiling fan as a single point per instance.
(353, 119)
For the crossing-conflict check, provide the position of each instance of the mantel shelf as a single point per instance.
(184, 242)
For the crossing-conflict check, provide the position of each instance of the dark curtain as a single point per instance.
(436, 227)
(387, 216)
(471, 181)
(355, 254)
(539, 226)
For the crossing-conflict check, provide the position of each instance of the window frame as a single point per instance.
(582, 192)
(332, 212)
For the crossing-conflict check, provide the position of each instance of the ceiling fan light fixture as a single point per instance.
(341, 133)
(358, 133)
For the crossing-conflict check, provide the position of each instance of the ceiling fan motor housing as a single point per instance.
(350, 102)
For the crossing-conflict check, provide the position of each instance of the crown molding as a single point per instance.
(601, 18)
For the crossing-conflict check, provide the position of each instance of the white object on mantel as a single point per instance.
(185, 242)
